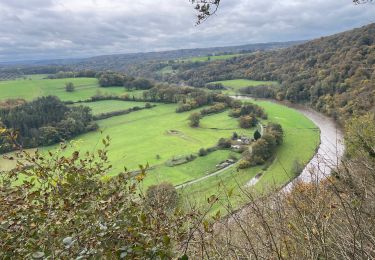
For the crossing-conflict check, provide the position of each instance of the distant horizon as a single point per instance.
(37, 30)
(11, 62)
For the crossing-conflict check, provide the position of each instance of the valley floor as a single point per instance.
(157, 135)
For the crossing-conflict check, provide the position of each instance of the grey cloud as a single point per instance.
(43, 29)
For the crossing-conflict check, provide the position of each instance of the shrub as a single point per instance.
(195, 119)
(202, 152)
(277, 131)
(247, 121)
(257, 135)
(217, 108)
(297, 167)
(69, 87)
(162, 196)
(224, 143)
(64, 210)
(243, 164)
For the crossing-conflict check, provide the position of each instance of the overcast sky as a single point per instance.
(45, 29)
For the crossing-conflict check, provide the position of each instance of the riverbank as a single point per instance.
(331, 148)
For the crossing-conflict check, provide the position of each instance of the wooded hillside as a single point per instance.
(335, 73)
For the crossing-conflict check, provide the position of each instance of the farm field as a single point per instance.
(138, 138)
(36, 86)
(300, 141)
(235, 84)
(156, 135)
(107, 106)
(190, 171)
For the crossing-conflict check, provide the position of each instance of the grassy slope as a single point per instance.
(36, 87)
(235, 84)
(138, 137)
(187, 172)
(300, 142)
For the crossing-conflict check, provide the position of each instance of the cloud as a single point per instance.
(45, 29)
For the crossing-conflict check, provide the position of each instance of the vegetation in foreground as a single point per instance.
(72, 213)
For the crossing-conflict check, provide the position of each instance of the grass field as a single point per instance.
(36, 86)
(106, 106)
(156, 135)
(187, 172)
(235, 84)
(138, 138)
(300, 141)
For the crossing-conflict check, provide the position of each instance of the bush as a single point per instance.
(243, 164)
(69, 212)
(163, 196)
(247, 122)
(217, 108)
(195, 119)
(224, 143)
(69, 87)
(257, 135)
(202, 152)
(297, 167)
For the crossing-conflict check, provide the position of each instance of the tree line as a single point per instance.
(334, 74)
(45, 121)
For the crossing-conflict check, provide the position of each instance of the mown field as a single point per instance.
(139, 137)
(107, 106)
(36, 86)
(300, 141)
(234, 85)
(156, 135)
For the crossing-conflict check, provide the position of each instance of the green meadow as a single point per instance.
(234, 85)
(142, 136)
(107, 106)
(36, 86)
(301, 138)
(155, 136)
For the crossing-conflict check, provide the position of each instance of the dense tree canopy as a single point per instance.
(45, 121)
(334, 74)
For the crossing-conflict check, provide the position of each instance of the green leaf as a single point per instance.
(184, 257)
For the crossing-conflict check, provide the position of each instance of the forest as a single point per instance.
(333, 74)
(43, 122)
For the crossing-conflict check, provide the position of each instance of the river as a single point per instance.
(331, 148)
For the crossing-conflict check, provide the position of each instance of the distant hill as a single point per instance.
(120, 62)
(336, 74)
